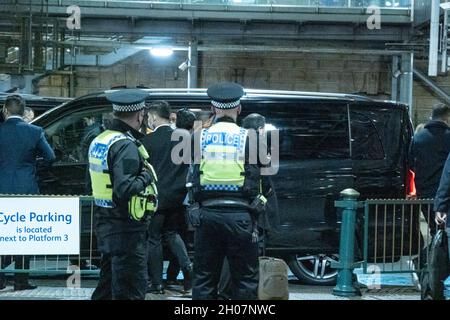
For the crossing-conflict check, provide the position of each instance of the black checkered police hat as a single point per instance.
(128, 100)
(226, 95)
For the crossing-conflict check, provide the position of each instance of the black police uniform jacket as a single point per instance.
(429, 151)
(127, 179)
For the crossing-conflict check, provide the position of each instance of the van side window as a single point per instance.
(313, 131)
(71, 136)
(366, 144)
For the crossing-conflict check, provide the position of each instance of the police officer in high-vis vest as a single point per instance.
(123, 186)
(227, 189)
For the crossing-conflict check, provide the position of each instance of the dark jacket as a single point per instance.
(429, 150)
(442, 199)
(171, 177)
(128, 178)
(20, 146)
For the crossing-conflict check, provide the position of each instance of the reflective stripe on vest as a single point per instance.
(98, 167)
(222, 157)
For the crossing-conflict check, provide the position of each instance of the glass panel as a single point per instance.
(366, 144)
(307, 130)
(71, 136)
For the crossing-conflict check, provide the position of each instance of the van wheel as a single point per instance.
(314, 269)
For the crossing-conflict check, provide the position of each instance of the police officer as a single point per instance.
(125, 195)
(226, 186)
(268, 221)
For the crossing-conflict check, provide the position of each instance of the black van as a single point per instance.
(328, 142)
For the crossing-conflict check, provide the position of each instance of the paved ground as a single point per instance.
(399, 286)
(57, 290)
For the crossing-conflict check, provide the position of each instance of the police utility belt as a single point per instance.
(257, 206)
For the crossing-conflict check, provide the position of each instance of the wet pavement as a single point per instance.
(58, 290)
(382, 286)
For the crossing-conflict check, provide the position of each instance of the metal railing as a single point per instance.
(396, 231)
(392, 231)
(85, 263)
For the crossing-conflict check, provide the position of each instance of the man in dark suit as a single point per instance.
(171, 193)
(20, 146)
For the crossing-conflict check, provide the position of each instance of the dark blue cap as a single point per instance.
(226, 95)
(128, 100)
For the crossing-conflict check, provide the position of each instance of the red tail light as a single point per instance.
(411, 189)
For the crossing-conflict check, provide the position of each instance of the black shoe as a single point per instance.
(156, 289)
(24, 287)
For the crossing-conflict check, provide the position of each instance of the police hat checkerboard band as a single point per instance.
(128, 107)
(226, 105)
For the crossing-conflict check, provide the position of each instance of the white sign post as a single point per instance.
(39, 226)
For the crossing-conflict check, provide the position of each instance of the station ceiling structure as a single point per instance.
(35, 37)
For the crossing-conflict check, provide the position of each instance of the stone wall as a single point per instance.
(368, 75)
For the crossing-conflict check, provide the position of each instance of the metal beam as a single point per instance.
(209, 30)
(111, 58)
(192, 65)
(183, 11)
(259, 48)
(406, 80)
(444, 96)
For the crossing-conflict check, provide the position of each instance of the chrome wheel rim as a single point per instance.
(318, 267)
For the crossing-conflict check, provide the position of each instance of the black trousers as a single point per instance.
(21, 262)
(176, 223)
(225, 234)
(163, 228)
(155, 253)
(123, 274)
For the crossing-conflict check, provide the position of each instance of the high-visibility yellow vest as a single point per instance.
(139, 205)
(223, 157)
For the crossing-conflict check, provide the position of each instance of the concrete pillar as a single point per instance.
(434, 39)
(406, 80)
(395, 77)
(38, 61)
(25, 45)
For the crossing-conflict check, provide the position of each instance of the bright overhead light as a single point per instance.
(16, 48)
(445, 5)
(161, 52)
